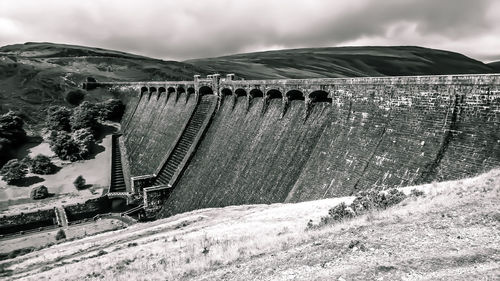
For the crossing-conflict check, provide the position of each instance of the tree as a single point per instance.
(13, 171)
(85, 116)
(79, 182)
(42, 165)
(58, 118)
(111, 109)
(75, 96)
(60, 235)
(39, 192)
(63, 145)
(85, 140)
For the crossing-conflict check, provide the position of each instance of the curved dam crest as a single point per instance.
(274, 141)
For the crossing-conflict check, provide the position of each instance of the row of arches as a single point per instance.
(315, 96)
(205, 90)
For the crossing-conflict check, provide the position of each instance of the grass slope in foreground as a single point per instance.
(451, 233)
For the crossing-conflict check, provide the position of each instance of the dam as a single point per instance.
(214, 142)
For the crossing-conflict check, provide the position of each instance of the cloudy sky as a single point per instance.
(183, 29)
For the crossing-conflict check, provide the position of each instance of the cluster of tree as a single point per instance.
(12, 134)
(73, 131)
(16, 170)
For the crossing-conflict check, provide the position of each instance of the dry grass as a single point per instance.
(451, 233)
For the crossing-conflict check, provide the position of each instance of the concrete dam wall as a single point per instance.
(295, 140)
(153, 127)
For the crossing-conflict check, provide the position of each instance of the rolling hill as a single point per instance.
(495, 66)
(35, 75)
(344, 62)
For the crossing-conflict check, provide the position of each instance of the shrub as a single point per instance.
(11, 127)
(60, 235)
(58, 118)
(85, 140)
(41, 165)
(79, 182)
(85, 116)
(341, 212)
(75, 96)
(64, 146)
(373, 199)
(111, 109)
(13, 171)
(416, 193)
(39, 192)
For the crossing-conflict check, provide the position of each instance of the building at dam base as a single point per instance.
(216, 142)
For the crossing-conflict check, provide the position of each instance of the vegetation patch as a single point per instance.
(364, 202)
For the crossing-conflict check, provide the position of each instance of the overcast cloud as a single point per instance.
(204, 28)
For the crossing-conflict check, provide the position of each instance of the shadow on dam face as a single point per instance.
(249, 157)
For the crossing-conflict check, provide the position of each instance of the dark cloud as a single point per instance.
(191, 29)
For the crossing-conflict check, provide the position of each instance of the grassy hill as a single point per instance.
(495, 65)
(450, 234)
(36, 75)
(343, 62)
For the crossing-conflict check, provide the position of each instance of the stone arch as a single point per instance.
(161, 90)
(205, 90)
(295, 95)
(256, 93)
(180, 90)
(319, 96)
(240, 92)
(151, 91)
(226, 92)
(274, 94)
(143, 90)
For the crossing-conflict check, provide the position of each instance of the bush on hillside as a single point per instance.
(111, 109)
(12, 134)
(79, 182)
(75, 96)
(85, 116)
(39, 192)
(60, 235)
(58, 118)
(85, 140)
(13, 171)
(63, 145)
(42, 165)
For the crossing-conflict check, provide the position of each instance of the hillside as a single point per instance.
(36, 75)
(343, 62)
(450, 234)
(495, 65)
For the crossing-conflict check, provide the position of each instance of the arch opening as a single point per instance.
(274, 94)
(180, 90)
(190, 91)
(295, 95)
(240, 93)
(319, 96)
(256, 93)
(161, 90)
(226, 92)
(170, 90)
(152, 89)
(205, 90)
(143, 90)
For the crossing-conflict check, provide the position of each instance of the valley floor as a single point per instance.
(453, 233)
